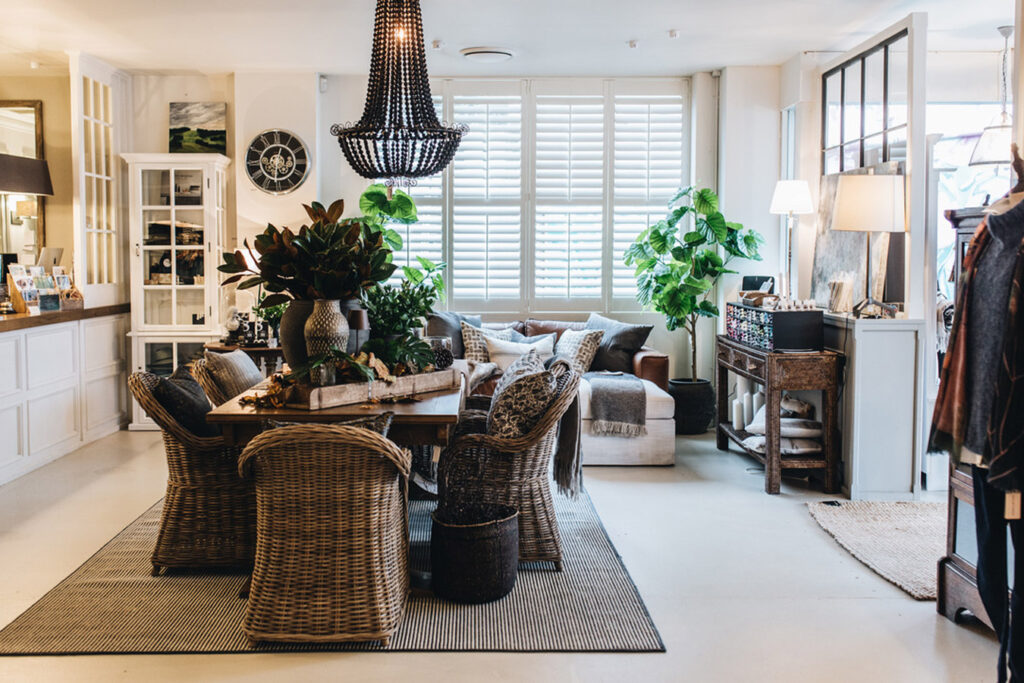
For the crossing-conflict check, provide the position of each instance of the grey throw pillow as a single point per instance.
(234, 372)
(448, 324)
(621, 341)
(182, 397)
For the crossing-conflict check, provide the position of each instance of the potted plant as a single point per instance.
(330, 261)
(678, 261)
(396, 310)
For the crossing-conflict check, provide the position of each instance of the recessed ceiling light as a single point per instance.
(437, 44)
(673, 34)
(634, 44)
(487, 54)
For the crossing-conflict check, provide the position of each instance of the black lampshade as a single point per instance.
(22, 175)
(399, 137)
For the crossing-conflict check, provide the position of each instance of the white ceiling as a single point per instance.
(550, 37)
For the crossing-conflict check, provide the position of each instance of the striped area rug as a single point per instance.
(111, 604)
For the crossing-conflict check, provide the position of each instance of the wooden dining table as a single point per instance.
(430, 419)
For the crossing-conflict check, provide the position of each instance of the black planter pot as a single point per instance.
(695, 404)
(474, 552)
(356, 338)
(292, 337)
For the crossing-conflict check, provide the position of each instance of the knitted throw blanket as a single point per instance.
(618, 404)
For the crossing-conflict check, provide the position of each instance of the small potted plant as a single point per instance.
(678, 261)
(397, 310)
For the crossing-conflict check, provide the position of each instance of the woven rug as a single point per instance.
(901, 542)
(112, 605)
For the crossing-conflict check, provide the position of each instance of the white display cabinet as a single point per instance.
(178, 229)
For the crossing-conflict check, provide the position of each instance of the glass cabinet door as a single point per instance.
(162, 357)
(173, 249)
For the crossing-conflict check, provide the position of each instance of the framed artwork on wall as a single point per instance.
(198, 127)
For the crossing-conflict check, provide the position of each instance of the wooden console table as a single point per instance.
(778, 372)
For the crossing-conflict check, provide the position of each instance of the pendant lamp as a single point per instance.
(993, 147)
(399, 137)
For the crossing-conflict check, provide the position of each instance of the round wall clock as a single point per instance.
(277, 161)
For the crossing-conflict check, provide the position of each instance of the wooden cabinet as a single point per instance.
(178, 229)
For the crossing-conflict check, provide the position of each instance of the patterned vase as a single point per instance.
(325, 328)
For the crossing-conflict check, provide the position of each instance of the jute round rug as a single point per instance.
(111, 604)
(901, 542)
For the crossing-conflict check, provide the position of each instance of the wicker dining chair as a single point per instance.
(477, 467)
(213, 389)
(209, 513)
(332, 535)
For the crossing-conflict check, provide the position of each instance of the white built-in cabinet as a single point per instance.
(177, 222)
(64, 386)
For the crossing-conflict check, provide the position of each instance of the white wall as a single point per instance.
(341, 101)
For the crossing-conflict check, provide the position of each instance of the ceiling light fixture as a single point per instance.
(673, 34)
(398, 137)
(487, 55)
(437, 44)
(634, 44)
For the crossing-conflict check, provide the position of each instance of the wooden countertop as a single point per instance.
(21, 321)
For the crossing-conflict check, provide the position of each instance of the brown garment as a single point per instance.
(1004, 452)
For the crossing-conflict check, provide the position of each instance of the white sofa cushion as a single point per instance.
(660, 406)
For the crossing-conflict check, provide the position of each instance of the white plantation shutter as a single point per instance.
(648, 169)
(569, 189)
(486, 199)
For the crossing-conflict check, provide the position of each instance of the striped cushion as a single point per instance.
(233, 372)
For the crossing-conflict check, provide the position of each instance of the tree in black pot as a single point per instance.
(678, 261)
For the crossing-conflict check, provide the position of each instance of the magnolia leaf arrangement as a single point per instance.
(679, 260)
(333, 258)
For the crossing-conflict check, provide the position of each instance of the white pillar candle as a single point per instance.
(748, 408)
(742, 386)
(758, 401)
(737, 415)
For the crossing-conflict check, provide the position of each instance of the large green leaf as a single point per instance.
(705, 201)
(682, 192)
(661, 239)
(716, 223)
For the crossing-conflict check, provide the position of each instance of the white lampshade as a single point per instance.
(870, 203)
(993, 147)
(791, 196)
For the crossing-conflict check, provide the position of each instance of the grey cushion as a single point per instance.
(521, 398)
(182, 397)
(621, 341)
(234, 372)
(447, 324)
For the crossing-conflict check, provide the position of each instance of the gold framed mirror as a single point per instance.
(23, 219)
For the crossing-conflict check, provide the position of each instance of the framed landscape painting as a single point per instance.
(198, 127)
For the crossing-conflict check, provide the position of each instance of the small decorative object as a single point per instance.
(198, 127)
(442, 348)
(758, 401)
(748, 408)
(49, 301)
(325, 329)
(775, 330)
(399, 136)
(277, 161)
(737, 415)
(71, 299)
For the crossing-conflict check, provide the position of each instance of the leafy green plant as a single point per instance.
(407, 351)
(397, 309)
(678, 262)
(330, 259)
(269, 314)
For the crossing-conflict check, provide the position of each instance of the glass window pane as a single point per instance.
(157, 303)
(156, 267)
(832, 161)
(897, 145)
(191, 309)
(156, 228)
(188, 188)
(851, 99)
(159, 358)
(897, 95)
(156, 188)
(189, 266)
(874, 88)
(188, 228)
(833, 109)
(851, 156)
(873, 150)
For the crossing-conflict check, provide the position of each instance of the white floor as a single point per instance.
(743, 586)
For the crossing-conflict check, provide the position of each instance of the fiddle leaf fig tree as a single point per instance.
(679, 260)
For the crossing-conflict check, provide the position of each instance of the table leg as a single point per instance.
(723, 406)
(772, 446)
(830, 442)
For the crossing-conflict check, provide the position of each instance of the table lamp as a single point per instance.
(791, 197)
(870, 203)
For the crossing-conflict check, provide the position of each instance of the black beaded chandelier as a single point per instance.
(399, 137)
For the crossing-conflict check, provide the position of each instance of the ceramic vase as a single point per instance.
(292, 332)
(326, 328)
